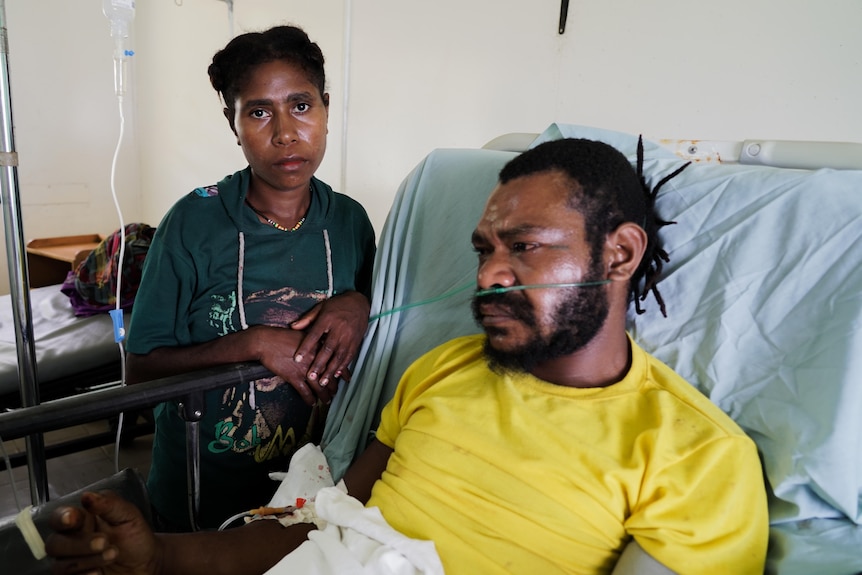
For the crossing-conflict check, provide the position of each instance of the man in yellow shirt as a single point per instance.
(545, 445)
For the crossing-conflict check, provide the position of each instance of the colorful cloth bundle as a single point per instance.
(92, 287)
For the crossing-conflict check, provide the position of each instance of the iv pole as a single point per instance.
(19, 279)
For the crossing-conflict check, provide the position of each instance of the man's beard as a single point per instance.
(576, 321)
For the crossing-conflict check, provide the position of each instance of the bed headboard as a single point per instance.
(803, 155)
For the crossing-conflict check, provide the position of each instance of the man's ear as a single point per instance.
(624, 249)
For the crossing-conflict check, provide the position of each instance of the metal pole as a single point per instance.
(193, 472)
(192, 410)
(19, 281)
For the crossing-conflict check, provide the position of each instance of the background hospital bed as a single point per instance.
(764, 299)
(73, 282)
(764, 304)
(72, 353)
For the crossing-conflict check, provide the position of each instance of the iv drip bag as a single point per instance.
(120, 14)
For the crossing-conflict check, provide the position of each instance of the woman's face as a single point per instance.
(280, 120)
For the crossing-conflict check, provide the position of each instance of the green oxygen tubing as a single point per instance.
(483, 292)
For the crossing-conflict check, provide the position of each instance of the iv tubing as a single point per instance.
(116, 200)
(119, 271)
(8, 463)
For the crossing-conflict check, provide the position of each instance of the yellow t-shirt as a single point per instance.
(512, 474)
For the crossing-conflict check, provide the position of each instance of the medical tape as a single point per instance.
(24, 521)
(8, 158)
(302, 512)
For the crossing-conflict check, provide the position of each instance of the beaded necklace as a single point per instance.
(274, 223)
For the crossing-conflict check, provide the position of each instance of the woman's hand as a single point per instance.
(333, 333)
(109, 535)
(311, 355)
(276, 349)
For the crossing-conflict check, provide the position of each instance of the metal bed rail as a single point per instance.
(188, 388)
(101, 404)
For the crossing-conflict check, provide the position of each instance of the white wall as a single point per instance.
(421, 75)
(455, 73)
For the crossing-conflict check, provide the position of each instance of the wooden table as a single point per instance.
(51, 259)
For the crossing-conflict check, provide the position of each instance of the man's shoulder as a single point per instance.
(458, 347)
(453, 354)
(439, 368)
(686, 396)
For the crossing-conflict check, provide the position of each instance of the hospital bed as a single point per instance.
(764, 303)
(73, 283)
(74, 344)
(73, 353)
(763, 300)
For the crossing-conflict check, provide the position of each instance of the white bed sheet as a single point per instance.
(65, 344)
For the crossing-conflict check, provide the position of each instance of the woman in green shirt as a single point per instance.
(268, 265)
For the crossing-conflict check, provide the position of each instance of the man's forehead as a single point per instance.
(527, 199)
(509, 221)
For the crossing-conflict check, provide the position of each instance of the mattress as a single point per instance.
(72, 353)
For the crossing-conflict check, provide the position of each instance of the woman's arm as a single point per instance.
(315, 352)
(273, 347)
